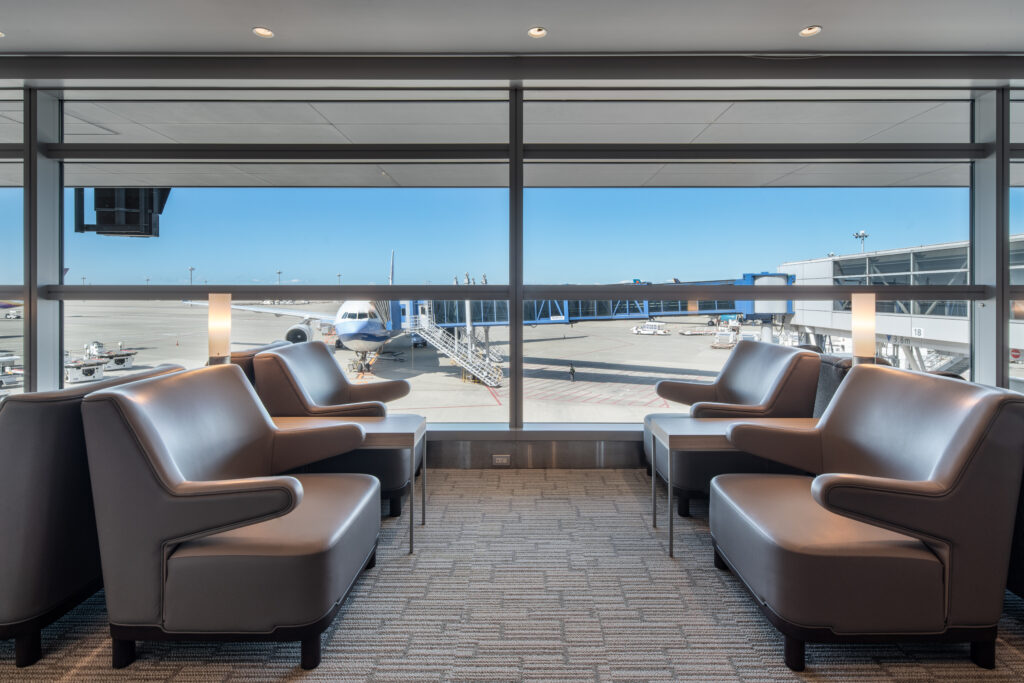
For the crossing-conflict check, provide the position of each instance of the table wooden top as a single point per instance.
(685, 433)
(393, 431)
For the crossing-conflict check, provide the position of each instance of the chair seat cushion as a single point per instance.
(817, 569)
(286, 571)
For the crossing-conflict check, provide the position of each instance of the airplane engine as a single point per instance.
(297, 334)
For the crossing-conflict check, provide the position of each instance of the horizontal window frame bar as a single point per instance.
(660, 292)
(12, 292)
(247, 292)
(768, 151)
(89, 151)
(1016, 291)
(62, 70)
(671, 292)
(12, 150)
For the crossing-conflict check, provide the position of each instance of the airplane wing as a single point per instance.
(305, 315)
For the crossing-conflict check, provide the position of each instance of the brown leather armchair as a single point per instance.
(244, 358)
(905, 532)
(304, 380)
(200, 534)
(757, 380)
(51, 560)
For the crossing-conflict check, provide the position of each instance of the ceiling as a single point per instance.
(499, 26)
(481, 120)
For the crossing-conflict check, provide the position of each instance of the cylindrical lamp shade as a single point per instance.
(863, 326)
(220, 328)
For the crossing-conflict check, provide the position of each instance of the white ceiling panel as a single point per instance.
(11, 175)
(622, 112)
(448, 175)
(781, 133)
(452, 113)
(612, 133)
(186, 112)
(823, 112)
(232, 133)
(914, 132)
(588, 175)
(424, 133)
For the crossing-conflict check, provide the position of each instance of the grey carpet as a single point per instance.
(529, 575)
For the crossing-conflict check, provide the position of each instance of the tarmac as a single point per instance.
(614, 380)
(615, 370)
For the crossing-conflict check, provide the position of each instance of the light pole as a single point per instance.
(339, 279)
(147, 281)
(861, 235)
(190, 269)
(278, 277)
(83, 281)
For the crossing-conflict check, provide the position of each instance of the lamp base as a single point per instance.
(863, 360)
(218, 360)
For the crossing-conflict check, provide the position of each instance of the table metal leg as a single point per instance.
(423, 474)
(671, 517)
(412, 494)
(654, 484)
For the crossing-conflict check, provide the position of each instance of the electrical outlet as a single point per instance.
(501, 460)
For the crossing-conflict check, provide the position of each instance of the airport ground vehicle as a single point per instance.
(649, 327)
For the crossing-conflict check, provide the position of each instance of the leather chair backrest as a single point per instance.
(756, 371)
(47, 526)
(833, 370)
(311, 367)
(143, 440)
(198, 425)
(244, 358)
(885, 422)
(967, 438)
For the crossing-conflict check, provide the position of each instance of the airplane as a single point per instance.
(360, 326)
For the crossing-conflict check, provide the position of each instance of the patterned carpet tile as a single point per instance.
(538, 575)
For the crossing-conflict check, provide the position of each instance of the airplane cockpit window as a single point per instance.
(362, 316)
(347, 316)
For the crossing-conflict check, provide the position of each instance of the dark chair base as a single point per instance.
(123, 637)
(982, 640)
(28, 647)
(683, 503)
(396, 505)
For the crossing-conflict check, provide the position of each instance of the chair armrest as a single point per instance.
(202, 508)
(686, 392)
(379, 391)
(711, 409)
(317, 439)
(366, 409)
(909, 507)
(793, 446)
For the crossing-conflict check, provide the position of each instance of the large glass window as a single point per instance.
(272, 229)
(605, 225)
(12, 268)
(605, 370)
(458, 372)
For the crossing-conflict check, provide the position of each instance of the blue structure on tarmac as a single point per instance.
(452, 313)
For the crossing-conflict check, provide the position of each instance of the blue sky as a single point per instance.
(592, 235)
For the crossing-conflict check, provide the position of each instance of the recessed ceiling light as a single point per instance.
(809, 31)
(537, 32)
(263, 32)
